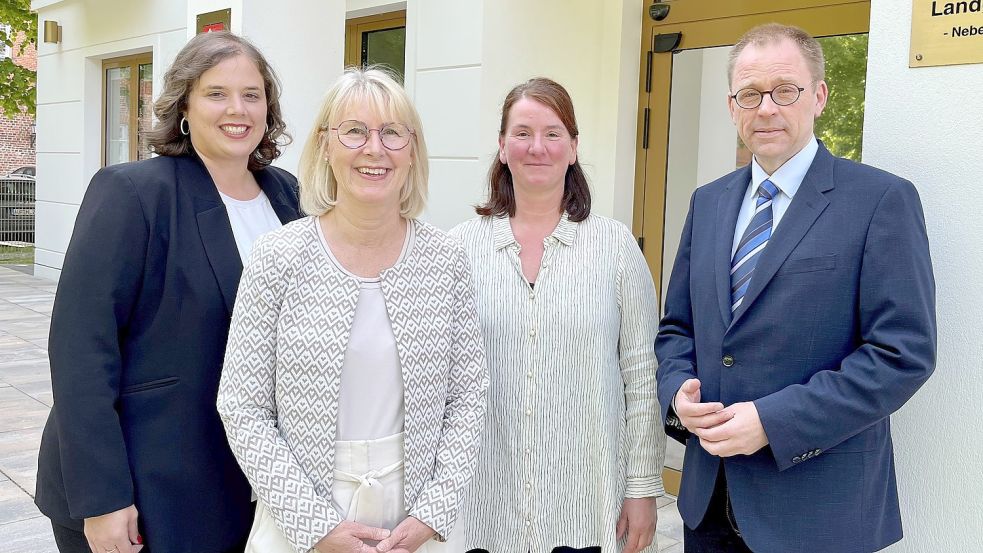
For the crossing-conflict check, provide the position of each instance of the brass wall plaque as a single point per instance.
(946, 32)
(220, 20)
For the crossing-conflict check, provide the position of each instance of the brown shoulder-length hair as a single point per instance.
(200, 54)
(576, 192)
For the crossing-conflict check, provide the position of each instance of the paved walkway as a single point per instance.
(25, 398)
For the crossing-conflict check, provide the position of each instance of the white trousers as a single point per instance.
(367, 488)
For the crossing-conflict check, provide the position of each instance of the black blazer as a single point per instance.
(138, 335)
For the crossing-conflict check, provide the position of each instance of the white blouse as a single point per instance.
(370, 395)
(250, 219)
(572, 426)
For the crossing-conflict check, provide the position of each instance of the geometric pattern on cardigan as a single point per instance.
(278, 395)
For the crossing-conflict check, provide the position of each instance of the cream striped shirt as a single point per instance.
(572, 425)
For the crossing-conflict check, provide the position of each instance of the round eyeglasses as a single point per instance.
(354, 134)
(782, 95)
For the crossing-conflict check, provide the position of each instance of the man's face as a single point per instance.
(775, 133)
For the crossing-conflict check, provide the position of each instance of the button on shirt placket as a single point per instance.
(527, 405)
(534, 356)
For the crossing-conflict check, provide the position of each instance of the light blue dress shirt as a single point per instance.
(787, 179)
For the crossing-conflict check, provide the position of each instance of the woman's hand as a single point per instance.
(638, 518)
(407, 537)
(349, 537)
(114, 532)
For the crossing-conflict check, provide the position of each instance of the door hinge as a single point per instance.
(645, 128)
(648, 72)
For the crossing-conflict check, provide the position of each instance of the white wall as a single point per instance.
(69, 113)
(444, 70)
(592, 49)
(304, 41)
(924, 124)
(363, 8)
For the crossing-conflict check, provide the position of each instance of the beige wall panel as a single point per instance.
(448, 102)
(456, 185)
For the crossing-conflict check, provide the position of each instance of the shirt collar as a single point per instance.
(565, 231)
(790, 175)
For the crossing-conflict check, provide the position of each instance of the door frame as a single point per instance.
(704, 24)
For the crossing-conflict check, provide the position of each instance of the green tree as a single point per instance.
(17, 84)
(841, 126)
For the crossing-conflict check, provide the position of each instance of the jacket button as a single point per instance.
(728, 361)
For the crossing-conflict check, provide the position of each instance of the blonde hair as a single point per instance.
(377, 88)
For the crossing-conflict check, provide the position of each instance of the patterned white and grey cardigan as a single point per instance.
(278, 396)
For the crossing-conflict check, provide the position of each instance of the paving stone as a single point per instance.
(15, 505)
(665, 542)
(25, 370)
(22, 469)
(28, 536)
(676, 548)
(36, 386)
(670, 523)
(20, 349)
(20, 440)
(19, 410)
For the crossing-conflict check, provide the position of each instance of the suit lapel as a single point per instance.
(286, 210)
(728, 208)
(809, 202)
(214, 228)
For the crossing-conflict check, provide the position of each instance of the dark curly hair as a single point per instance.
(576, 192)
(200, 54)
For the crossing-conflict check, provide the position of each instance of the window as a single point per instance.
(6, 51)
(377, 40)
(127, 107)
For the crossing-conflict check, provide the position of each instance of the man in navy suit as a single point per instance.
(800, 314)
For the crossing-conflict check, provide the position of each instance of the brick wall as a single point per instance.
(16, 144)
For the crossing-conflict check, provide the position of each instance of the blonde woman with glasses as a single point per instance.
(354, 381)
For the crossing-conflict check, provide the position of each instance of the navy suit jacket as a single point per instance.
(836, 331)
(137, 340)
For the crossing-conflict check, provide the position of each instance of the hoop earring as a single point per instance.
(181, 126)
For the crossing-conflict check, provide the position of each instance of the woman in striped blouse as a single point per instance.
(573, 448)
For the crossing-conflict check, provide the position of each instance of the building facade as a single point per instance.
(17, 133)
(462, 56)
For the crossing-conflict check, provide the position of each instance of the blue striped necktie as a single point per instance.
(752, 244)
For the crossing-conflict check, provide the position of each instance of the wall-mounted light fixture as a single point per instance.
(52, 32)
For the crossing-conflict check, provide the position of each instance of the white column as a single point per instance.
(304, 41)
(924, 124)
(443, 76)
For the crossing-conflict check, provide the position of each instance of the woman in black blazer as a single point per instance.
(133, 454)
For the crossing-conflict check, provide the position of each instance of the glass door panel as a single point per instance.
(145, 108)
(385, 47)
(117, 115)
